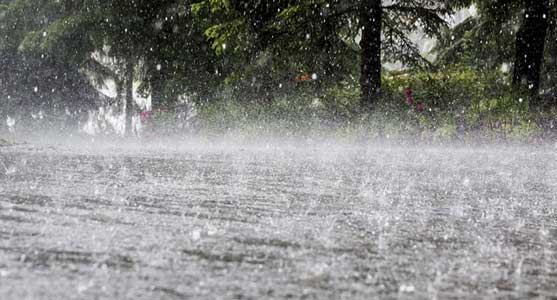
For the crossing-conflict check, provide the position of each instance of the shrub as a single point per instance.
(456, 102)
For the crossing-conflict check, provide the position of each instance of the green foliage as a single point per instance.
(314, 36)
(478, 43)
(458, 102)
(473, 99)
(487, 40)
(239, 60)
(41, 67)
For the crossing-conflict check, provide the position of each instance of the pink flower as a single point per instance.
(420, 107)
(408, 92)
(410, 100)
(145, 116)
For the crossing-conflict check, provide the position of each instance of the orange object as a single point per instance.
(302, 78)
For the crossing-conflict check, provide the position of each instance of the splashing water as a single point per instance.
(277, 220)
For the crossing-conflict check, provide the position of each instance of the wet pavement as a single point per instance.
(273, 221)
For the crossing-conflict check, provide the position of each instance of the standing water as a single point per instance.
(277, 221)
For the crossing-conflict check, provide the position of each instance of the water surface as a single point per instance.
(276, 220)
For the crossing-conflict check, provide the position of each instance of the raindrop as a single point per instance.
(407, 288)
(11, 170)
(195, 234)
(10, 122)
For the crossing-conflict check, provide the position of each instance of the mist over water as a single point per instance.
(301, 218)
(278, 149)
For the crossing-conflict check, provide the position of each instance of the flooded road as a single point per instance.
(269, 221)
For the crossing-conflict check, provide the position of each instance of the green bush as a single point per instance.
(459, 102)
(459, 99)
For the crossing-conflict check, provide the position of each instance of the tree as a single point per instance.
(177, 58)
(168, 51)
(158, 43)
(530, 46)
(490, 40)
(326, 35)
(370, 44)
(34, 77)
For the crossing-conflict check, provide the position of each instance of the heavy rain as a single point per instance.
(305, 149)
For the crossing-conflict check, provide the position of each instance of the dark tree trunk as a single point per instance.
(130, 107)
(530, 44)
(370, 73)
(157, 82)
(120, 101)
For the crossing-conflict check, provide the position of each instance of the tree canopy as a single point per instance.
(54, 52)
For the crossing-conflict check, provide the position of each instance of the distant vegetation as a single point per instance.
(289, 66)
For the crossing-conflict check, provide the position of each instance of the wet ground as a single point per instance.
(295, 221)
